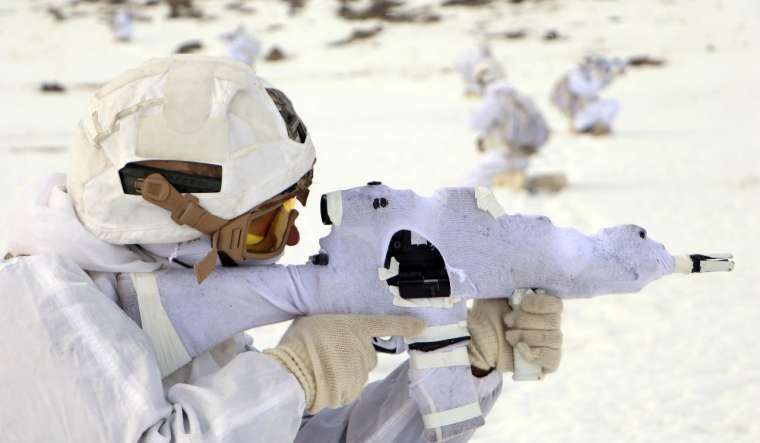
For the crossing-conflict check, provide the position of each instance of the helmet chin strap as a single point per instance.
(185, 210)
(227, 236)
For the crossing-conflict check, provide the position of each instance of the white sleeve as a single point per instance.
(230, 301)
(385, 413)
(582, 85)
(486, 114)
(251, 399)
(97, 372)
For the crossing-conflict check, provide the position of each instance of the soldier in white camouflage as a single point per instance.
(577, 95)
(511, 130)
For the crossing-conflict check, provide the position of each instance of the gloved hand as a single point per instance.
(331, 355)
(533, 329)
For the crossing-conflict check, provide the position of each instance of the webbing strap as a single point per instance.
(441, 332)
(184, 208)
(439, 359)
(451, 416)
(170, 351)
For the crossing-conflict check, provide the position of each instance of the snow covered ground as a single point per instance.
(679, 362)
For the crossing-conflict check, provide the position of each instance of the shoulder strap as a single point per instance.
(170, 351)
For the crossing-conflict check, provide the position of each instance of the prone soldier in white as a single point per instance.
(511, 130)
(577, 95)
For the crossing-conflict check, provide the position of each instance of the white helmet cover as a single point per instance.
(487, 71)
(186, 108)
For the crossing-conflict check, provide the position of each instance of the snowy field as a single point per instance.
(679, 362)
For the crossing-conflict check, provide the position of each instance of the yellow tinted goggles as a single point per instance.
(276, 229)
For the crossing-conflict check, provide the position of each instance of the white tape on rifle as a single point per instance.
(170, 351)
(524, 369)
(439, 359)
(335, 207)
(451, 416)
(441, 332)
(487, 202)
(684, 264)
(716, 266)
(389, 272)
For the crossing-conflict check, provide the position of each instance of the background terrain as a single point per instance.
(679, 362)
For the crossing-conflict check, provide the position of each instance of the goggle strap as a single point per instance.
(303, 196)
(205, 267)
(184, 208)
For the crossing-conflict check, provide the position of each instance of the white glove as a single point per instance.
(533, 329)
(331, 355)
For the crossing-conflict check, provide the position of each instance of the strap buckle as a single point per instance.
(189, 213)
(153, 188)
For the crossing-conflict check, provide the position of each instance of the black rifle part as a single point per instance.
(422, 270)
(323, 211)
(320, 259)
(428, 346)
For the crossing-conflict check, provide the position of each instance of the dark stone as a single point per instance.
(644, 60)
(357, 35)
(294, 6)
(553, 35)
(240, 7)
(387, 10)
(275, 55)
(57, 14)
(189, 47)
(466, 2)
(52, 87)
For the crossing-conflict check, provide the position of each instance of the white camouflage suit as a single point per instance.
(576, 95)
(510, 129)
(77, 369)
